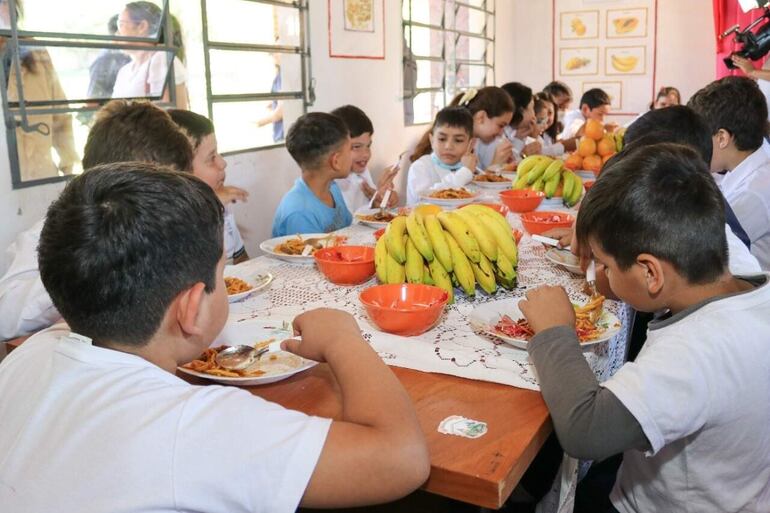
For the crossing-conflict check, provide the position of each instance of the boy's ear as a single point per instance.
(585, 110)
(187, 305)
(652, 267)
(722, 139)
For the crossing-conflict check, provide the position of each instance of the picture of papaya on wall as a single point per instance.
(627, 22)
(625, 60)
(579, 25)
(579, 61)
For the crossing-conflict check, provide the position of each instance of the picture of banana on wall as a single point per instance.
(579, 61)
(579, 25)
(626, 60)
(627, 22)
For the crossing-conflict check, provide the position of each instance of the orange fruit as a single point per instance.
(586, 147)
(593, 163)
(426, 209)
(607, 157)
(594, 129)
(574, 162)
(560, 189)
(606, 146)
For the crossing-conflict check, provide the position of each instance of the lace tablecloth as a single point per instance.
(452, 347)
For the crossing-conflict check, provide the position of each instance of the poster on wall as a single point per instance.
(619, 55)
(357, 29)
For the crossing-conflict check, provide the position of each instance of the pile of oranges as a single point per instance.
(593, 150)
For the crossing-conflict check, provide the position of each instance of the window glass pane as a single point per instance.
(244, 72)
(424, 42)
(471, 48)
(238, 123)
(470, 20)
(238, 21)
(472, 76)
(430, 74)
(484, 4)
(426, 105)
(423, 11)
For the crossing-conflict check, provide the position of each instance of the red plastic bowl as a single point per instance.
(538, 222)
(377, 234)
(498, 207)
(405, 309)
(522, 200)
(346, 265)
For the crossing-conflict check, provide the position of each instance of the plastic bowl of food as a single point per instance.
(378, 233)
(539, 222)
(497, 207)
(405, 309)
(522, 200)
(346, 265)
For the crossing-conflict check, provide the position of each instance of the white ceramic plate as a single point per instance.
(282, 366)
(269, 245)
(258, 281)
(494, 186)
(484, 318)
(369, 211)
(425, 197)
(565, 259)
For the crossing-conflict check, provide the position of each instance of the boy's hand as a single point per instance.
(387, 177)
(743, 63)
(368, 190)
(547, 307)
(229, 194)
(323, 331)
(470, 160)
(503, 152)
(533, 148)
(563, 235)
(392, 199)
(611, 127)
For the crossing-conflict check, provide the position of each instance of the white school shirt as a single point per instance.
(573, 120)
(233, 242)
(89, 429)
(147, 78)
(740, 260)
(486, 151)
(747, 190)
(550, 147)
(351, 189)
(700, 390)
(425, 175)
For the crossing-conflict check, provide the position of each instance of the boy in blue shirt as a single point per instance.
(320, 144)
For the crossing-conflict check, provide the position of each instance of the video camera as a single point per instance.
(755, 44)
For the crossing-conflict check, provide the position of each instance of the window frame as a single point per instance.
(307, 94)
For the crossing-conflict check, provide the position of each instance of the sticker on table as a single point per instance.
(460, 426)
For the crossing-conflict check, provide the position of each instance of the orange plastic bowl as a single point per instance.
(405, 309)
(377, 234)
(538, 222)
(498, 207)
(522, 200)
(346, 265)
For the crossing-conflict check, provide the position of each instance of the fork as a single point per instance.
(591, 277)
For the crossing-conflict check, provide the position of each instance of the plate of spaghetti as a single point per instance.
(374, 217)
(268, 369)
(449, 197)
(241, 283)
(504, 320)
(492, 181)
(294, 248)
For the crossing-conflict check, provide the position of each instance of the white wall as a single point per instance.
(523, 53)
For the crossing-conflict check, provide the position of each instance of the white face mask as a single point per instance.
(560, 115)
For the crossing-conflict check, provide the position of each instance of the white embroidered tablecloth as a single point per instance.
(452, 347)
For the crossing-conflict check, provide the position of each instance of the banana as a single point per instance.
(380, 260)
(414, 264)
(504, 281)
(553, 169)
(624, 64)
(462, 267)
(485, 275)
(459, 230)
(480, 232)
(618, 135)
(438, 241)
(575, 191)
(441, 278)
(520, 183)
(418, 235)
(505, 267)
(427, 279)
(500, 229)
(538, 170)
(394, 271)
(394, 239)
(551, 185)
(526, 165)
(569, 182)
(539, 185)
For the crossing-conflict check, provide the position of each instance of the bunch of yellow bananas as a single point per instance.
(544, 174)
(465, 247)
(618, 136)
(624, 64)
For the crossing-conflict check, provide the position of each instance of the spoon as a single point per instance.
(242, 357)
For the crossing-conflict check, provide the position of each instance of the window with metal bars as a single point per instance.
(448, 47)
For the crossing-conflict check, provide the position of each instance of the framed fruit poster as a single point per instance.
(626, 23)
(625, 60)
(579, 61)
(579, 25)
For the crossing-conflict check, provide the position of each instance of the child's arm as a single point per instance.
(376, 452)
(589, 420)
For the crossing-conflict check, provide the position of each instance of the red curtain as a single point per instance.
(726, 14)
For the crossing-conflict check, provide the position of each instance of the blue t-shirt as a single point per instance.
(300, 211)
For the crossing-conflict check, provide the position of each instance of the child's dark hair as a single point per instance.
(736, 105)
(121, 242)
(313, 136)
(595, 98)
(195, 126)
(663, 92)
(521, 96)
(660, 200)
(541, 101)
(457, 117)
(556, 88)
(678, 124)
(356, 120)
(136, 130)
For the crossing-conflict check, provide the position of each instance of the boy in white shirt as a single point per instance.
(358, 188)
(95, 419)
(594, 104)
(452, 162)
(736, 112)
(691, 413)
(122, 131)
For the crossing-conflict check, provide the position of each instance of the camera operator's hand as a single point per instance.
(744, 64)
